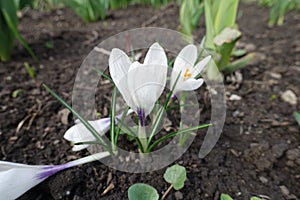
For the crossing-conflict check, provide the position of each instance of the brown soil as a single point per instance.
(258, 152)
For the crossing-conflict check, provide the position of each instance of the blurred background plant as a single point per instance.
(9, 30)
(220, 18)
(297, 117)
(222, 33)
(190, 14)
(278, 8)
(221, 30)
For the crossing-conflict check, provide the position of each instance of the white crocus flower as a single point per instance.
(184, 65)
(140, 84)
(16, 179)
(79, 133)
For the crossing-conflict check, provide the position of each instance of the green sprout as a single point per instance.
(175, 175)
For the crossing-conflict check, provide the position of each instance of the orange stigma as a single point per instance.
(187, 74)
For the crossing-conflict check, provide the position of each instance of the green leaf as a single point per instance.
(239, 53)
(297, 117)
(113, 135)
(88, 10)
(17, 93)
(225, 197)
(7, 36)
(183, 131)
(176, 175)
(141, 191)
(209, 23)
(11, 24)
(30, 70)
(226, 14)
(240, 63)
(255, 198)
(82, 120)
(131, 131)
(190, 13)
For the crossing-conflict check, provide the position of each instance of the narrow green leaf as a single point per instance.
(104, 75)
(297, 117)
(141, 191)
(30, 70)
(7, 36)
(158, 119)
(119, 127)
(82, 120)
(113, 138)
(175, 175)
(187, 130)
(17, 34)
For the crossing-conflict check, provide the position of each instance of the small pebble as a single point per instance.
(235, 97)
(275, 75)
(263, 179)
(279, 149)
(178, 195)
(289, 97)
(284, 190)
(250, 47)
(293, 154)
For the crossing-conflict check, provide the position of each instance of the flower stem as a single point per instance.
(167, 192)
(88, 159)
(143, 137)
(50, 170)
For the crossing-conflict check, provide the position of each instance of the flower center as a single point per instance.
(187, 74)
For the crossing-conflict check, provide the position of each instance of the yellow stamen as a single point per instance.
(187, 74)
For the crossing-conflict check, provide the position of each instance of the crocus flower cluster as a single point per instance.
(140, 84)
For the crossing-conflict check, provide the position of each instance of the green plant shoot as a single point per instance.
(190, 13)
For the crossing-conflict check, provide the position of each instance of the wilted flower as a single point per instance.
(16, 179)
(184, 65)
(140, 84)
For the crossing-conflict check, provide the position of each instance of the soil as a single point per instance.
(257, 154)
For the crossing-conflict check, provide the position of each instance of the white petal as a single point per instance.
(80, 147)
(185, 60)
(16, 181)
(200, 66)
(146, 83)
(190, 84)
(119, 64)
(156, 55)
(79, 133)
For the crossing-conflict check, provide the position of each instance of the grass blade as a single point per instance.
(176, 133)
(113, 118)
(82, 120)
(118, 130)
(104, 75)
(158, 118)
